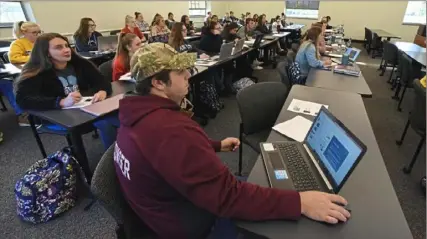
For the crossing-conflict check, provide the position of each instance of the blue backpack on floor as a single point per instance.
(48, 188)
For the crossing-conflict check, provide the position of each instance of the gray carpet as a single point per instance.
(19, 151)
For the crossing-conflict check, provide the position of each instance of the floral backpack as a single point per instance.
(48, 188)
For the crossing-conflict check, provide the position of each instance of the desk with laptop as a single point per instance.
(345, 76)
(338, 155)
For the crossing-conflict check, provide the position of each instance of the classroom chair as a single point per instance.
(417, 120)
(5, 43)
(390, 55)
(406, 78)
(115, 32)
(376, 45)
(105, 187)
(6, 57)
(106, 70)
(259, 105)
(366, 40)
(282, 68)
(368, 36)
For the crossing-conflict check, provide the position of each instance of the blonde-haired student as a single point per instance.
(25, 34)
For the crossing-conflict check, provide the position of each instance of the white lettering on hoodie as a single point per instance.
(122, 162)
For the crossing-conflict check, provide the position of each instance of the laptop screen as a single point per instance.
(336, 149)
(353, 53)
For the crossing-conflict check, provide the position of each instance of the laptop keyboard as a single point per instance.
(298, 169)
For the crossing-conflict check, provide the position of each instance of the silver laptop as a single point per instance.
(225, 52)
(107, 43)
(239, 46)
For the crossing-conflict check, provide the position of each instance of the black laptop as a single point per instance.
(323, 162)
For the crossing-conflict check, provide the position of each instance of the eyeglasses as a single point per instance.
(35, 33)
(92, 25)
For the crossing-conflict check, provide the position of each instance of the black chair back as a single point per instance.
(376, 41)
(115, 32)
(260, 104)
(6, 57)
(368, 36)
(106, 69)
(407, 74)
(418, 113)
(106, 188)
(390, 52)
(282, 69)
(5, 43)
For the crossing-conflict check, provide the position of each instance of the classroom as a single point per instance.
(213, 119)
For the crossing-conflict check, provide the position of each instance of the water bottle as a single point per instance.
(349, 42)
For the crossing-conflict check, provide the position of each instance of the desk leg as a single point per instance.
(80, 153)
(36, 135)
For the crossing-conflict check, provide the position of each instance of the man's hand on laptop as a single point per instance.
(323, 207)
(230, 144)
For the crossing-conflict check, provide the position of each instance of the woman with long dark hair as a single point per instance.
(86, 38)
(178, 42)
(143, 25)
(56, 77)
(186, 21)
(128, 44)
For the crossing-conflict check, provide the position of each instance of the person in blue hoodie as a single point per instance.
(86, 38)
(308, 55)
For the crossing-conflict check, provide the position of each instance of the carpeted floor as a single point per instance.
(19, 151)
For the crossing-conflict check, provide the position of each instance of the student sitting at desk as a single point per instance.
(132, 28)
(256, 17)
(170, 21)
(177, 40)
(56, 77)
(173, 180)
(140, 23)
(308, 56)
(25, 34)
(159, 31)
(155, 19)
(229, 34)
(211, 42)
(128, 44)
(262, 25)
(86, 38)
(247, 31)
(188, 25)
(277, 25)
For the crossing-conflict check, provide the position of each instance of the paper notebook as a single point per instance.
(85, 101)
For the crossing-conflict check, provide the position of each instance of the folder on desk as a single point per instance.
(347, 70)
(103, 107)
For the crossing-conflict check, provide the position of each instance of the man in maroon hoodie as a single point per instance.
(168, 169)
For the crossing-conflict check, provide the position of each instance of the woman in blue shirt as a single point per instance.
(308, 55)
(86, 38)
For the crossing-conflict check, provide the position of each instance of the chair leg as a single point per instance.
(69, 142)
(239, 171)
(401, 98)
(382, 67)
(391, 74)
(120, 231)
(396, 93)
(95, 134)
(399, 142)
(408, 169)
(37, 136)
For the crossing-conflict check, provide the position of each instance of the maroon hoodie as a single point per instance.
(173, 179)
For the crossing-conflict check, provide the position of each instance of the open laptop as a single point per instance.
(239, 46)
(353, 54)
(323, 162)
(107, 43)
(257, 42)
(224, 53)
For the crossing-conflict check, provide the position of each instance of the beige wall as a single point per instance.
(355, 15)
(63, 16)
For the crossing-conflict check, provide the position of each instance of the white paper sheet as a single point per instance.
(305, 107)
(127, 77)
(296, 128)
(85, 101)
(205, 63)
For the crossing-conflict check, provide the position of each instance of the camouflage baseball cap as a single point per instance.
(155, 57)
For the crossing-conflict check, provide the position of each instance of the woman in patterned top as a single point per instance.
(159, 31)
(143, 25)
(177, 41)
